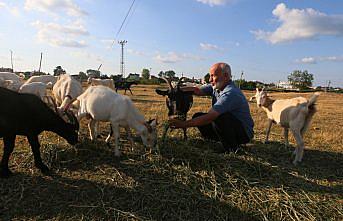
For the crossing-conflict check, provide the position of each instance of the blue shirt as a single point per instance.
(232, 100)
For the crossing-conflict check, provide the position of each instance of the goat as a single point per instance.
(27, 115)
(295, 114)
(42, 78)
(103, 104)
(66, 89)
(104, 82)
(11, 81)
(36, 88)
(124, 85)
(178, 103)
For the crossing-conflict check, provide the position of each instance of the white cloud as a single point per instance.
(173, 57)
(307, 60)
(59, 35)
(55, 7)
(313, 60)
(13, 10)
(73, 29)
(301, 24)
(87, 55)
(135, 52)
(206, 46)
(215, 2)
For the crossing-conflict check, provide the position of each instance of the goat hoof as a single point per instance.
(5, 173)
(117, 154)
(44, 169)
(296, 162)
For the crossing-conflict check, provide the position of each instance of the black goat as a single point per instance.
(28, 115)
(124, 85)
(178, 103)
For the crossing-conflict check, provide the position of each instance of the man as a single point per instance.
(229, 120)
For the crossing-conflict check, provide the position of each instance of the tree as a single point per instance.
(300, 79)
(170, 74)
(93, 73)
(145, 73)
(58, 71)
(82, 75)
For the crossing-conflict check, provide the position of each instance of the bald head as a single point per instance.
(222, 68)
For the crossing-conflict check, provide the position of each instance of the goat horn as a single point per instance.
(180, 81)
(168, 82)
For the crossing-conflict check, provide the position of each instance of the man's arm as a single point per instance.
(199, 121)
(195, 90)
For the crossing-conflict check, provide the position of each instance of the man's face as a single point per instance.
(217, 79)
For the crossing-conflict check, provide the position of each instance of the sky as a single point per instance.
(266, 39)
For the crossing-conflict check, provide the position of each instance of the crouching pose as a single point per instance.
(229, 120)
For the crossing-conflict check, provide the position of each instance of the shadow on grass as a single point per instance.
(261, 165)
(90, 183)
(316, 164)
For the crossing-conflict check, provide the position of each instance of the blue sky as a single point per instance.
(265, 39)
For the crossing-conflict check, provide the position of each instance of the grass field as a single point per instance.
(185, 180)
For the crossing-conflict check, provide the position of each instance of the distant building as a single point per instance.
(2, 69)
(284, 85)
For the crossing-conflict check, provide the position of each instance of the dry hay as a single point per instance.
(185, 180)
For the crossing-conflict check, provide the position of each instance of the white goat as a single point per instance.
(295, 114)
(36, 88)
(103, 104)
(11, 81)
(66, 89)
(105, 82)
(42, 78)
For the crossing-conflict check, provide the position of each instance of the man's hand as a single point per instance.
(176, 123)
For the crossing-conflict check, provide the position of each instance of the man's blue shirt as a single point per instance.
(232, 100)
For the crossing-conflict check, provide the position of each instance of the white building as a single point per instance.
(284, 85)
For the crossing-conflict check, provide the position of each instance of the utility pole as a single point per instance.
(12, 60)
(99, 67)
(240, 81)
(122, 67)
(327, 86)
(40, 62)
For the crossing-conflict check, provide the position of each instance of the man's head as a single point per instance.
(220, 75)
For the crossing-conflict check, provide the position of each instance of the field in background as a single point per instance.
(185, 180)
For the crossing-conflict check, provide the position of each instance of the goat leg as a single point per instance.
(8, 149)
(165, 130)
(185, 133)
(300, 146)
(270, 122)
(285, 133)
(35, 147)
(129, 136)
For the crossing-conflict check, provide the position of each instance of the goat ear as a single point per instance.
(257, 89)
(162, 92)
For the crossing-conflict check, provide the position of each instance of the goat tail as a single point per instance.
(311, 111)
(313, 99)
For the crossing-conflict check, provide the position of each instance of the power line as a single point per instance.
(121, 26)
